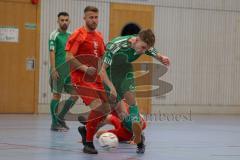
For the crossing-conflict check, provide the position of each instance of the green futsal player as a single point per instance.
(59, 73)
(117, 71)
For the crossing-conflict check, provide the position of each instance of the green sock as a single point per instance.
(134, 113)
(53, 108)
(133, 117)
(67, 106)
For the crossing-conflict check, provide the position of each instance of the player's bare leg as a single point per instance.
(99, 111)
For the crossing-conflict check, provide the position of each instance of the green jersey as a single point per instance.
(57, 44)
(119, 52)
(119, 56)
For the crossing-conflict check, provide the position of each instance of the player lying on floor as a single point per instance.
(122, 132)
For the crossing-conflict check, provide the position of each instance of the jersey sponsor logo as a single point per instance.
(95, 48)
(132, 87)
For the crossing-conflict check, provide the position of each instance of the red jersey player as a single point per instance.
(85, 47)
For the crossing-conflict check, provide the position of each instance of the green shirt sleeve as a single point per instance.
(52, 45)
(111, 49)
(152, 52)
(52, 41)
(107, 58)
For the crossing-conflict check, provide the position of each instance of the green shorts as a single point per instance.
(63, 84)
(122, 78)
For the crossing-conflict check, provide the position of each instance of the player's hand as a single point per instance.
(165, 60)
(91, 71)
(55, 74)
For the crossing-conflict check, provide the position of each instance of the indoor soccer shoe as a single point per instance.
(62, 123)
(89, 148)
(141, 146)
(57, 127)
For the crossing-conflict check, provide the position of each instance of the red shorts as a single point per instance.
(120, 131)
(89, 91)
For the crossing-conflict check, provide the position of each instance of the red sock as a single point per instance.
(93, 121)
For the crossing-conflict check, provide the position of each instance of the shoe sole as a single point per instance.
(88, 152)
(137, 131)
(59, 130)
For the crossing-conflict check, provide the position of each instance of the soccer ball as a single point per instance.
(108, 141)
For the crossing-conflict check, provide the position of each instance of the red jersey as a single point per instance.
(88, 48)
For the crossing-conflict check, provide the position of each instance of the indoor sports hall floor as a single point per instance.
(28, 137)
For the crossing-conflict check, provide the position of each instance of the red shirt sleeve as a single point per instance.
(74, 41)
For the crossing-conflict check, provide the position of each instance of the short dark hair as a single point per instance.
(147, 36)
(91, 8)
(62, 14)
